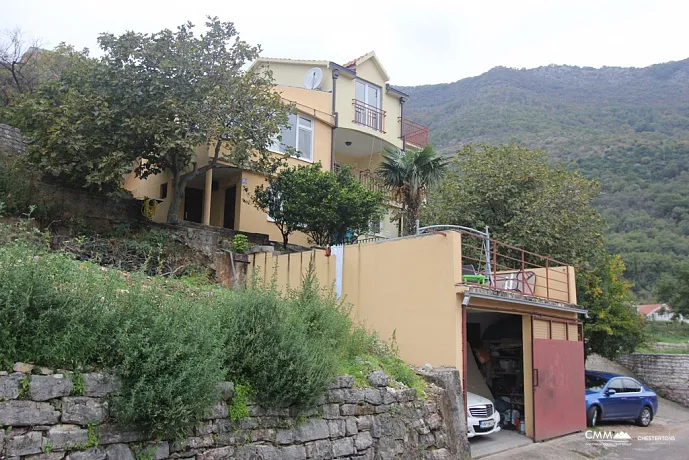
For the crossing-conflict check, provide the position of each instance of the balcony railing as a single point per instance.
(490, 264)
(369, 116)
(502, 267)
(414, 133)
(373, 182)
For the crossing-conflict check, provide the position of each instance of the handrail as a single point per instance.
(504, 267)
(368, 115)
(414, 133)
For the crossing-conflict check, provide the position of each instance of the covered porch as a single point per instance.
(214, 198)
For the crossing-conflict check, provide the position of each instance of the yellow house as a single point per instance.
(345, 115)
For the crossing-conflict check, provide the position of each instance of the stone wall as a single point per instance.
(11, 141)
(42, 419)
(667, 374)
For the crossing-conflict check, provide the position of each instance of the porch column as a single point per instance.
(207, 191)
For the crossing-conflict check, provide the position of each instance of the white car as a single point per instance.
(481, 417)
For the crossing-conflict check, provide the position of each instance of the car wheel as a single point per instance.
(645, 417)
(593, 416)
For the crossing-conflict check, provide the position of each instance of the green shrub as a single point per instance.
(172, 342)
(19, 190)
(287, 348)
(240, 243)
(59, 312)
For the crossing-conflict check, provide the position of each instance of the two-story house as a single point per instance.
(344, 114)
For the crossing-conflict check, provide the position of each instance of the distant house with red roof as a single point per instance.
(657, 312)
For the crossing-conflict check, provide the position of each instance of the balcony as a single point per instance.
(369, 116)
(414, 133)
(490, 265)
(498, 266)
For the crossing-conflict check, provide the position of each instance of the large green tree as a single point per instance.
(612, 326)
(154, 102)
(674, 289)
(548, 210)
(24, 65)
(522, 199)
(409, 175)
(327, 206)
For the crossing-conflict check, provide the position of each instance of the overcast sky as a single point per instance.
(418, 42)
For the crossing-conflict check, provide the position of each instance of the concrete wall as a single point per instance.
(406, 287)
(42, 419)
(668, 374)
(291, 73)
(288, 270)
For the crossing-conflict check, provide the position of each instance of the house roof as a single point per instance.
(363, 58)
(263, 60)
(650, 308)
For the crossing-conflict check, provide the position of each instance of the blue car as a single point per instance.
(616, 397)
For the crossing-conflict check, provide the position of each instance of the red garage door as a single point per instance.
(558, 379)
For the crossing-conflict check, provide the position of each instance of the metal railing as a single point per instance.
(374, 183)
(366, 239)
(369, 116)
(495, 265)
(414, 133)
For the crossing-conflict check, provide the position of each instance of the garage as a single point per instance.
(495, 369)
(528, 360)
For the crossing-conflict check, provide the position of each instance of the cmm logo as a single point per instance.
(607, 436)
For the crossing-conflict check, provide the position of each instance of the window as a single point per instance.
(594, 383)
(298, 135)
(616, 385)
(368, 94)
(368, 111)
(375, 226)
(630, 386)
(163, 191)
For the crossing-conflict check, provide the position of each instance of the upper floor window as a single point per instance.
(367, 105)
(368, 93)
(298, 135)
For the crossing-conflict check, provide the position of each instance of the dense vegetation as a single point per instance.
(627, 128)
(172, 342)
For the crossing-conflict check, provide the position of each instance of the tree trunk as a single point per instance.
(412, 215)
(285, 238)
(178, 185)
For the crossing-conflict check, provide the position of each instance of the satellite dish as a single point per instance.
(313, 78)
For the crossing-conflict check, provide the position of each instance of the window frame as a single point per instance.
(275, 145)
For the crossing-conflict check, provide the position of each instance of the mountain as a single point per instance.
(628, 128)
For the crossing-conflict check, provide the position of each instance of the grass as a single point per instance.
(367, 353)
(667, 331)
(660, 350)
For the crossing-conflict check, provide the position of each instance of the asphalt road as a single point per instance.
(666, 438)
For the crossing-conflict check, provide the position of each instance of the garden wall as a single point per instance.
(11, 141)
(668, 374)
(55, 417)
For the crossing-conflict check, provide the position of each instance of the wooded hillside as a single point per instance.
(626, 127)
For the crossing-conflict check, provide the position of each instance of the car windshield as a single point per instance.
(595, 383)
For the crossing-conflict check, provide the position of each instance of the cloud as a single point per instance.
(418, 42)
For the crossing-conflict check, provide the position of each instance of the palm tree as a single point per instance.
(409, 174)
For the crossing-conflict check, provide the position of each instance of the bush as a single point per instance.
(19, 191)
(171, 343)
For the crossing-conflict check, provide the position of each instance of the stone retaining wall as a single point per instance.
(668, 374)
(42, 419)
(11, 141)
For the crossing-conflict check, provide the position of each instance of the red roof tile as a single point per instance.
(648, 309)
(353, 61)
